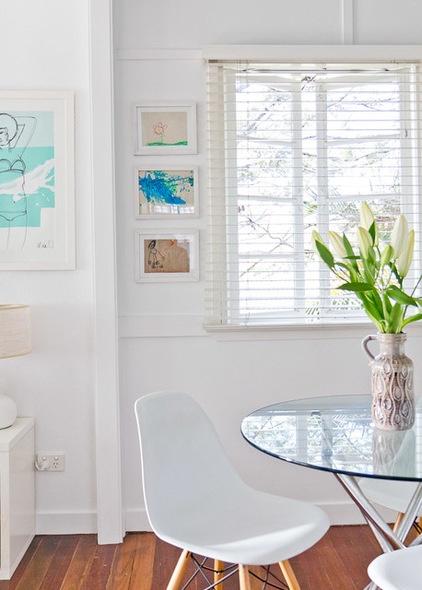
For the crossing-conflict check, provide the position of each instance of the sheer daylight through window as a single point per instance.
(294, 148)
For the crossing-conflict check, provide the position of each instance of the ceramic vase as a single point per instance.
(393, 400)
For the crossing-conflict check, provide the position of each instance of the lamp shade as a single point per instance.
(15, 335)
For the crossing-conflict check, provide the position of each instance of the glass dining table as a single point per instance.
(336, 434)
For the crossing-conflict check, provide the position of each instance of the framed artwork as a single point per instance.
(165, 129)
(166, 256)
(166, 191)
(37, 216)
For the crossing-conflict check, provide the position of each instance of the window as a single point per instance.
(292, 148)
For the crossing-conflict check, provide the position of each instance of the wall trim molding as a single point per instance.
(159, 54)
(192, 325)
(107, 418)
(339, 513)
(65, 523)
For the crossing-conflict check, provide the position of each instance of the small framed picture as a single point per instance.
(165, 129)
(166, 256)
(166, 191)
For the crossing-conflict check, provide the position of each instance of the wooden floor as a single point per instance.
(142, 562)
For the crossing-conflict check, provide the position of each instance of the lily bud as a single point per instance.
(367, 219)
(387, 255)
(399, 235)
(405, 259)
(364, 241)
(337, 243)
(316, 237)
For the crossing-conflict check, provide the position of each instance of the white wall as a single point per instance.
(45, 45)
(162, 342)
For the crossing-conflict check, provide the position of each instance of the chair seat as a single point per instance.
(395, 495)
(398, 570)
(197, 501)
(253, 528)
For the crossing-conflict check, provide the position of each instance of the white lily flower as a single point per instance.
(364, 241)
(405, 259)
(387, 255)
(316, 237)
(367, 219)
(337, 243)
(399, 235)
(366, 216)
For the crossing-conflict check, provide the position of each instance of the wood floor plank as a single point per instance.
(60, 563)
(39, 564)
(124, 563)
(142, 562)
(99, 571)
(20, 570)
(142, 572)
(80, 564)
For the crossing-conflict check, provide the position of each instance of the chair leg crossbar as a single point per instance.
(221, 573)
(201, 567)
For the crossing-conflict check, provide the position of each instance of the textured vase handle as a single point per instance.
(365, 343)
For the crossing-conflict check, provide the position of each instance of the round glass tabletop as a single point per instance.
(335, 433)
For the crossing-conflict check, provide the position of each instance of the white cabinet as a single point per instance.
(17, 494)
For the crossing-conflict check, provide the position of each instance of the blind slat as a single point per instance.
(294, 147)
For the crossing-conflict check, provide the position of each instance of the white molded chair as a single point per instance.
(195, 499)
(395, 495)
(398, 570)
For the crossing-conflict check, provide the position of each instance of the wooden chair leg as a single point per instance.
(289, 575)
(244, 579)
(218, 574)
(398, 521)
(179, 570)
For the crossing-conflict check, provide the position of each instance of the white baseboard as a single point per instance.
(344, 513)
(65, 523)
(135, 520)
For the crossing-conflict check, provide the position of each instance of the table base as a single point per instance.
(388, 539)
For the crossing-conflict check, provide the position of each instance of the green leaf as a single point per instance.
(356, 287)
(350, 253)
(373, 232)
(371, 307)
(325, 254)
(400, 296)
(376, 300)
(395, 321)
(413, 318)
(369, 267)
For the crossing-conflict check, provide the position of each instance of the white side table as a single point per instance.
(17, 494)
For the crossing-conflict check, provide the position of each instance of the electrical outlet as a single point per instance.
(50, 462)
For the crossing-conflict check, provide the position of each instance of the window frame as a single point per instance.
(222, 307)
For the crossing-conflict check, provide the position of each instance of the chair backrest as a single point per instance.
(183, 461)
(397, 570)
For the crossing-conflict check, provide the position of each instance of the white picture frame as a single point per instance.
(37, 200)
(168, 128)
(166, 256)
(166, 191)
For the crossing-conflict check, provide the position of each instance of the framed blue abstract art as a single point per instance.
(36, 180)
(166, 191)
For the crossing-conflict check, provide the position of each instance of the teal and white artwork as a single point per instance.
(36, 180)
(26, 167)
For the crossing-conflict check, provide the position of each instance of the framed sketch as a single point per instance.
(37, 217)
(165, 129)
(166, 256)
(166, 191)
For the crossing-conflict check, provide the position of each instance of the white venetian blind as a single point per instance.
(292, 148)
